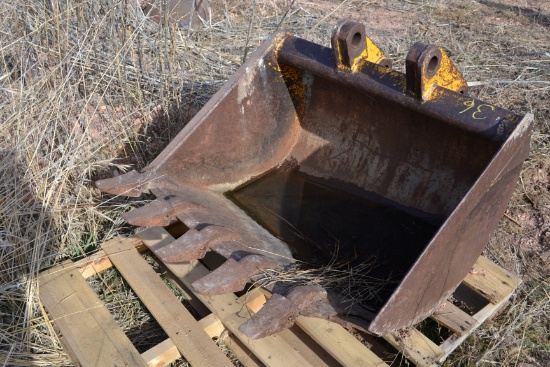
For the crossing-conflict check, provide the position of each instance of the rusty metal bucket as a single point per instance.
(310, 154)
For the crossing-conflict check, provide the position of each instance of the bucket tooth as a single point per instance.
(194, 218)
(306, 300)
(312, 300)
(194, 244)
(188, 247)
(315, 301)
(277, 314)
(229, 277)
(305, 295)
(232, 275)
(159, 212)
(128, 184)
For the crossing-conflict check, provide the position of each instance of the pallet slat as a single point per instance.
(212, 326)
(307, 348)
(99, 261)
(415, 346)
(453, 342)
(90, 334)
(454, 319)
(246, 357)
(336, 340)
(182, 328)
(272, 350)
(162, 354)
(490, 280)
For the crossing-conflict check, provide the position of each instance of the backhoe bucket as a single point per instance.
(325, 161)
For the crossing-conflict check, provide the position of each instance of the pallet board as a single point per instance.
(92, 337)
(178, 323)
(89, 333)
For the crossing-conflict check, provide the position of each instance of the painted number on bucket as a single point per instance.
(478, 113)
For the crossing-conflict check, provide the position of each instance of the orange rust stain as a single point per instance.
(297, 89)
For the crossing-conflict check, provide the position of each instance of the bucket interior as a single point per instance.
(366, 181)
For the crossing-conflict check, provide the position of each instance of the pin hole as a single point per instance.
(356, 39)
(432, 65)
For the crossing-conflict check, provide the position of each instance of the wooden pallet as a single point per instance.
(91, 337)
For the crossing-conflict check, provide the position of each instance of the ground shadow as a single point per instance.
(533, 15)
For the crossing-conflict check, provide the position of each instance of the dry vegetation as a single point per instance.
(90, 88)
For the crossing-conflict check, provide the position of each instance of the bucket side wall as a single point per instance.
(367, 143)
(247, 128)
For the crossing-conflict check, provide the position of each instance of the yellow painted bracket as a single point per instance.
(372, 53)
(352, 48)
(428, 66)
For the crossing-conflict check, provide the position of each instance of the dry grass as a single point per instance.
(80, 82)
(353, 283)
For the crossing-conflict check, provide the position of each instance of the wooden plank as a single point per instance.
(415, 346)
(212, 326)
(490, 280)
(339, 343)
(89, 331)
(380, 348)
(273, 351)
(99, 261)
(166, 352)
(453, 342)
(162, 354)
(256, 303)
(91, 265)
(198, 307)
(454, 318)
(332, 337)
(245, 356)
(182, 328)
(298, 338)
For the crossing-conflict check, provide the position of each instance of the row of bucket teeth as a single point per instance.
(204, 235)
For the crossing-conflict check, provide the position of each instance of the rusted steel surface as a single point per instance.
(341, 119)
(280, 312)
(232, 276)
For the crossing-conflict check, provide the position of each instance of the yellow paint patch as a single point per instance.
(447, 76)
(371, 53)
